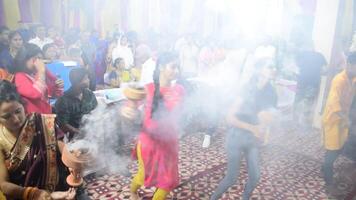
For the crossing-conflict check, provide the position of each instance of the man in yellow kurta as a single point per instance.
(336, 115)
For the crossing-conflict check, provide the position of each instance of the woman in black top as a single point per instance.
(253, 103)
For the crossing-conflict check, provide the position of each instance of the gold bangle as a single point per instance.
(36, 193)
(26, 193)
(32, 193)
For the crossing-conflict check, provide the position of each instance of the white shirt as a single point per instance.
(40, 43)
(125, 53)
(148, 68)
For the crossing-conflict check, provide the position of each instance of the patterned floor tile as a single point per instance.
(290, 169)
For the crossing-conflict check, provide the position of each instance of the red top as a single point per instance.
(35, 93)
(159, 139)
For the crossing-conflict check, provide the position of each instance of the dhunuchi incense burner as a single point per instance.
(135, 93)
(76, 160)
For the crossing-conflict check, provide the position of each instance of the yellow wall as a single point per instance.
(110, 15)
(12, 13)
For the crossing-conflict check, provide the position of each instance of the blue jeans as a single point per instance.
(240, 143)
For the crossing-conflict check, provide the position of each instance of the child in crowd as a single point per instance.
(117, 74)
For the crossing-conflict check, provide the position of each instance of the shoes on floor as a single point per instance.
(206, 142)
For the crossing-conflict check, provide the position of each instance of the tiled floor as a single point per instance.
(290, 170)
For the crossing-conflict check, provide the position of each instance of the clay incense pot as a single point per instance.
(76, 161)
(134, 94)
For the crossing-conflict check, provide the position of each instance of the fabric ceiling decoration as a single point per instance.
(25, 11)
(180, 16)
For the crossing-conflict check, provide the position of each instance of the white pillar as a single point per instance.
(325, 23)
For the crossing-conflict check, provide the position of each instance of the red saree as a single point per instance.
(34, 158)
(159, 139)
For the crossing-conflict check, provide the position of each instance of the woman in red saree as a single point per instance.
(30, 164)
(157, 147)
(34, 82)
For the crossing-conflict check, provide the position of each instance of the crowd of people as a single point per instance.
(30, 122)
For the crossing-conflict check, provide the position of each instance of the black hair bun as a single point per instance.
(8, 92)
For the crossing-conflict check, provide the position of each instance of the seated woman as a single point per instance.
(117, 74)
(28, 169)
(34, 83)
(7, 56)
